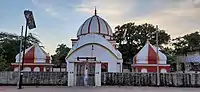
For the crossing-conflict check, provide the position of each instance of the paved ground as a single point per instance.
(96, 89)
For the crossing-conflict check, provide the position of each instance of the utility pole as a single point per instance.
(21, 69)
(158, 71)
(30, 23)
(20, 49)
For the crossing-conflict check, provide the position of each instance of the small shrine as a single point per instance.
(35, 59)
(146, 60)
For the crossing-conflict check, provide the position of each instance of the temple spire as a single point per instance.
(147, 41)
(95, 11)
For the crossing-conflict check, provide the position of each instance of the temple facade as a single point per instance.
(94, 51)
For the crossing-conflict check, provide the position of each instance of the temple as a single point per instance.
(35, 59)
(146, 60)
(93, 49)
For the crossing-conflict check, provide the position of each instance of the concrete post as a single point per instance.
(97, 74)
(70, 68)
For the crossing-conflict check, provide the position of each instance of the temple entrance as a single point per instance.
(85, 72)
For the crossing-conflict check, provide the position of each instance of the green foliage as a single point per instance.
(136, 37)
(3, 64)
(9, 47)
(61, 52)
(188, 42)
(171, 57)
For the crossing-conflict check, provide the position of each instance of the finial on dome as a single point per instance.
(95, 11)
(147, 41)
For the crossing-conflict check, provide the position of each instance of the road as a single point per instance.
(95, 89)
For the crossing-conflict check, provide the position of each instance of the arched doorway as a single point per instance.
(27, 69)
(80, 72)
(36, 69)
(143, 70)
(163, 70)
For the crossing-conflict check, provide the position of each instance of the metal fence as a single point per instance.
(150, 79)
(34, 78)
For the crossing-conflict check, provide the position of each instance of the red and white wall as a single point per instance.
(35, 59)
(146, 60)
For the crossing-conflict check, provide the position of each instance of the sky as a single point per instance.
(58, 21)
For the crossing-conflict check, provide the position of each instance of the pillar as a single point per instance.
(112, 66)
(70, 68)
(97, 74)
(121, 68)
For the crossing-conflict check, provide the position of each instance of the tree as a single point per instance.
(9, 37)
(171, 56)
(188, 42)
(3, 64)
(135, 38)
(61, 52)
(9, 47)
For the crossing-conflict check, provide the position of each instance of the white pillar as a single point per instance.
(112, 66)
(44, 69)
(70, 68)
(121, 67)
(97, 74)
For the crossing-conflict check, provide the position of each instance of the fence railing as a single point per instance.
(34, 78)
(107, 78)
(150, 79)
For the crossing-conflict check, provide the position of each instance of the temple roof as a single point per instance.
(148, 55)
(34, 54)
(95, 25)
(94, 39)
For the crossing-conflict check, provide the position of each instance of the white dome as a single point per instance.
(95, 25)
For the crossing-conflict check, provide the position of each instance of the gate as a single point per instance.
(80, 73)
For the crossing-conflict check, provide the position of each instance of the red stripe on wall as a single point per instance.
(98, 24)
(29, 56)
(82, 28)
(151, 55)
(90, 24)
(106, 26)
(47, 59)
(135, 59)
